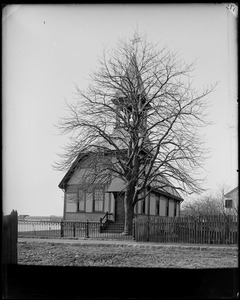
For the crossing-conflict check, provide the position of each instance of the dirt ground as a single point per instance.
(125, 255)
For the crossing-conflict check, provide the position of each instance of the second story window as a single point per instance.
(228, 203)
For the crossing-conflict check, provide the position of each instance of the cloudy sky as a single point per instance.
(48, 48)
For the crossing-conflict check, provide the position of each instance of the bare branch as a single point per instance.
(141, 109)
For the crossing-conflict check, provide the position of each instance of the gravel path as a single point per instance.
(124, 254)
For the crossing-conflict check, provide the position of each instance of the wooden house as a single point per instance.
(231, 201)
(84, 202)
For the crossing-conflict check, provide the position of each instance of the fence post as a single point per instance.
(14, 231)
(87, 229)
(62, 229)
(133, 229)
(10, 235)
(148, 228)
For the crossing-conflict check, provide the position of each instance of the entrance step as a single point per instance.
(113, 227)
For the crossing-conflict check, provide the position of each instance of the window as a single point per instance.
(228, 203)
(71, 202)
(143, 206)
(81, 200)
(98, 200)
(175, 208)
(89, 202)
(157, 205)
(167, 207)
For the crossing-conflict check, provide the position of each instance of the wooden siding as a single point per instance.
(163, 206)
(112, 206)
(152, 210)
(171, 208)
(178, 209)
(71, 202)
(77, 177)
(76, 181)
(109, 205)
(85, 169)
(116, 185)
(106, 204)
(89, 202)
(83, 216)
(71, 188)
(135, 208)
(233, 195)
(146, 205)
(139, 207)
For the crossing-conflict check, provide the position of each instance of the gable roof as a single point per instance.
(71, 170)
(167, 190)
(229, 194)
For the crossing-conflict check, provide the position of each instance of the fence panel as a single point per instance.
(9, 245)
(203, 230)
(39, 229)
(70, 229)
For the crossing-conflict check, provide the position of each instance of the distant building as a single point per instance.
(22, 217)
(231, 201)
(39, 218)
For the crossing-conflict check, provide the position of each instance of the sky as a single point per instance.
(46, 49)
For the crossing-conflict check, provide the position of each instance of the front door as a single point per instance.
(119, 207)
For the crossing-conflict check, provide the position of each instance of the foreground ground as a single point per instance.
(124, 254)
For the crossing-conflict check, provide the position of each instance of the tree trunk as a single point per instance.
(129, 211)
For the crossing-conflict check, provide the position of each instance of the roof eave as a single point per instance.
(230, 192)
(69, 173)
(168, 194)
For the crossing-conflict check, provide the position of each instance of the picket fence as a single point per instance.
(220, 229)
(9, 239)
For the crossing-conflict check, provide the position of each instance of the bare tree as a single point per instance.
(205, 206)
(139, 118)
(212, 204)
